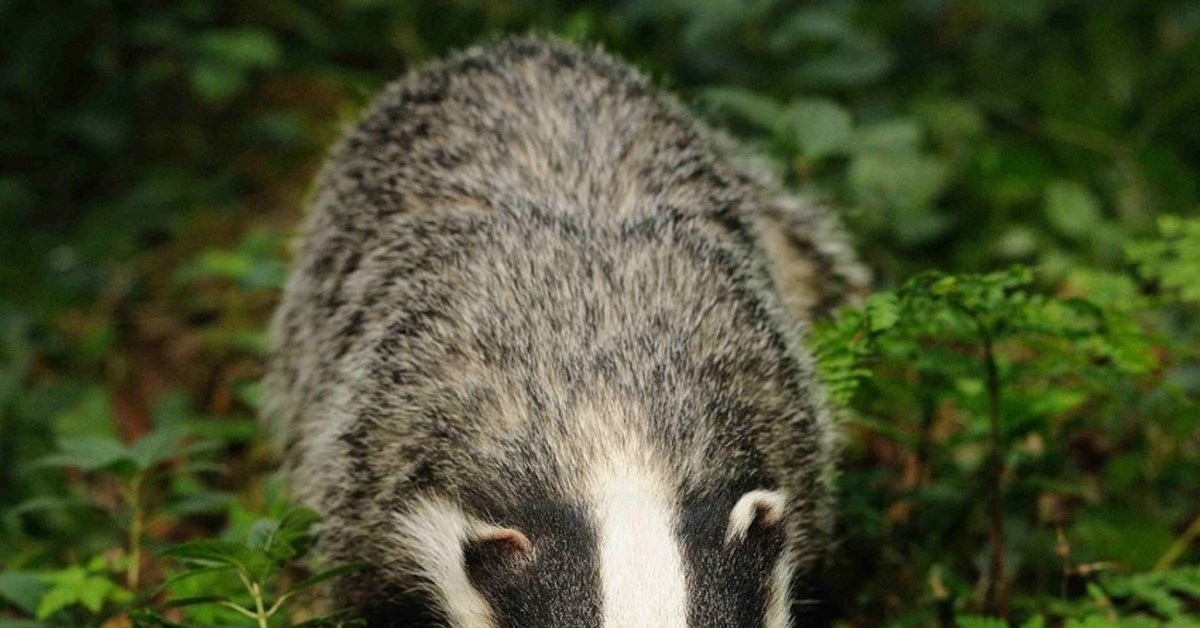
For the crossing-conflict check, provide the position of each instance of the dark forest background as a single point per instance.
(1020, 398)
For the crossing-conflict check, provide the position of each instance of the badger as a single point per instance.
(540, 360)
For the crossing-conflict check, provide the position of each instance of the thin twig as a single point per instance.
(995, 600)
(234, 607)
(133, 495)
(1179, 547)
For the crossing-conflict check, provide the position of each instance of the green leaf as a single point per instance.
(201, 502)
(147, 618)
(1124, 536)
(90, 414)
(255, 562)
(1173, 259)
(819, 24)
(898, 135)
(240, 48)
(1161, 591)
(297, 522)
(262, 534)
(856, 62)
(46, 503)
(976, 621)
(1037, 621)
(88, 453)
(898, 181)
(819, 127)
(748, 106)
(195, 573)
(950, 121)
(93, 593)
(883, 311)
(195, 601)
(1071, 209)
(23, 588)
(209, 553)
(282, 540)
(222, 431)
(217, 82)
(76, 585)
(157, 446)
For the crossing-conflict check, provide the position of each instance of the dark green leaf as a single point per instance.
(23, 588)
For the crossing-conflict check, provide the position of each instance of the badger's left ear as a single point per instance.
(490, 546)
(508, 540)
(761, 508)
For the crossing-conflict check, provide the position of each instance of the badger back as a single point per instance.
(534, 364)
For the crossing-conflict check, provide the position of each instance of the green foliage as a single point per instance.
(988, 382)
(1174, 259)
(155, 163)
(88, 586)
(256, 560)
(111, 586)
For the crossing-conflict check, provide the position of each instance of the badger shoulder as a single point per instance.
(546, 124)
(573, 130)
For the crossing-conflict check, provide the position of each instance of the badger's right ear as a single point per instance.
(757, 508)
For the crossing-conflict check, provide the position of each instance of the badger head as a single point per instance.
(632, 552)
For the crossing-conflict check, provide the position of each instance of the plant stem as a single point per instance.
(995, 598)
(237, 609)
(136, 527)
(1179, 547)
(925, 438)
(261, 612)
(255, 590)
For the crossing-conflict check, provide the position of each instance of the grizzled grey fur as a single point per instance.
(521, 232)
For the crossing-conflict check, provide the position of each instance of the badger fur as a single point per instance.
(540, 362)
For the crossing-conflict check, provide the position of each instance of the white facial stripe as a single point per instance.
(779, 612)
(769, 505)
(434, 531)
(641, 565)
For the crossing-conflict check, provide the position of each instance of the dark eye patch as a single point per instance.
(557, 585)
(730, 583)
(402, 610)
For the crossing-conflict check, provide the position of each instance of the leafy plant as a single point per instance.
(90, 586)
(1173, 259)
(1010, 366)
(256, 560)
(132, 466)
(89, 592)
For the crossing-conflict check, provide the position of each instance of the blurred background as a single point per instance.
(156, 157)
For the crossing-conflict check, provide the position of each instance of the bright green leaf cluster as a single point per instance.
(270, 545)
(1174, 258)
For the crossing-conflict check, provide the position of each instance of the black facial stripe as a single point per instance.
(559, 586)
(409, 609)
(729, 585)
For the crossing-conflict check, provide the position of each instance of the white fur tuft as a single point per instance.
(779, 612)
(764, 504)
(435, 531)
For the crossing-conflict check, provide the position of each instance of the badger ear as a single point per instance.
(762, 508)
(509, 538)
(492, 544)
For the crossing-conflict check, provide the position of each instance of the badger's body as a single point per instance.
(539, 361)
